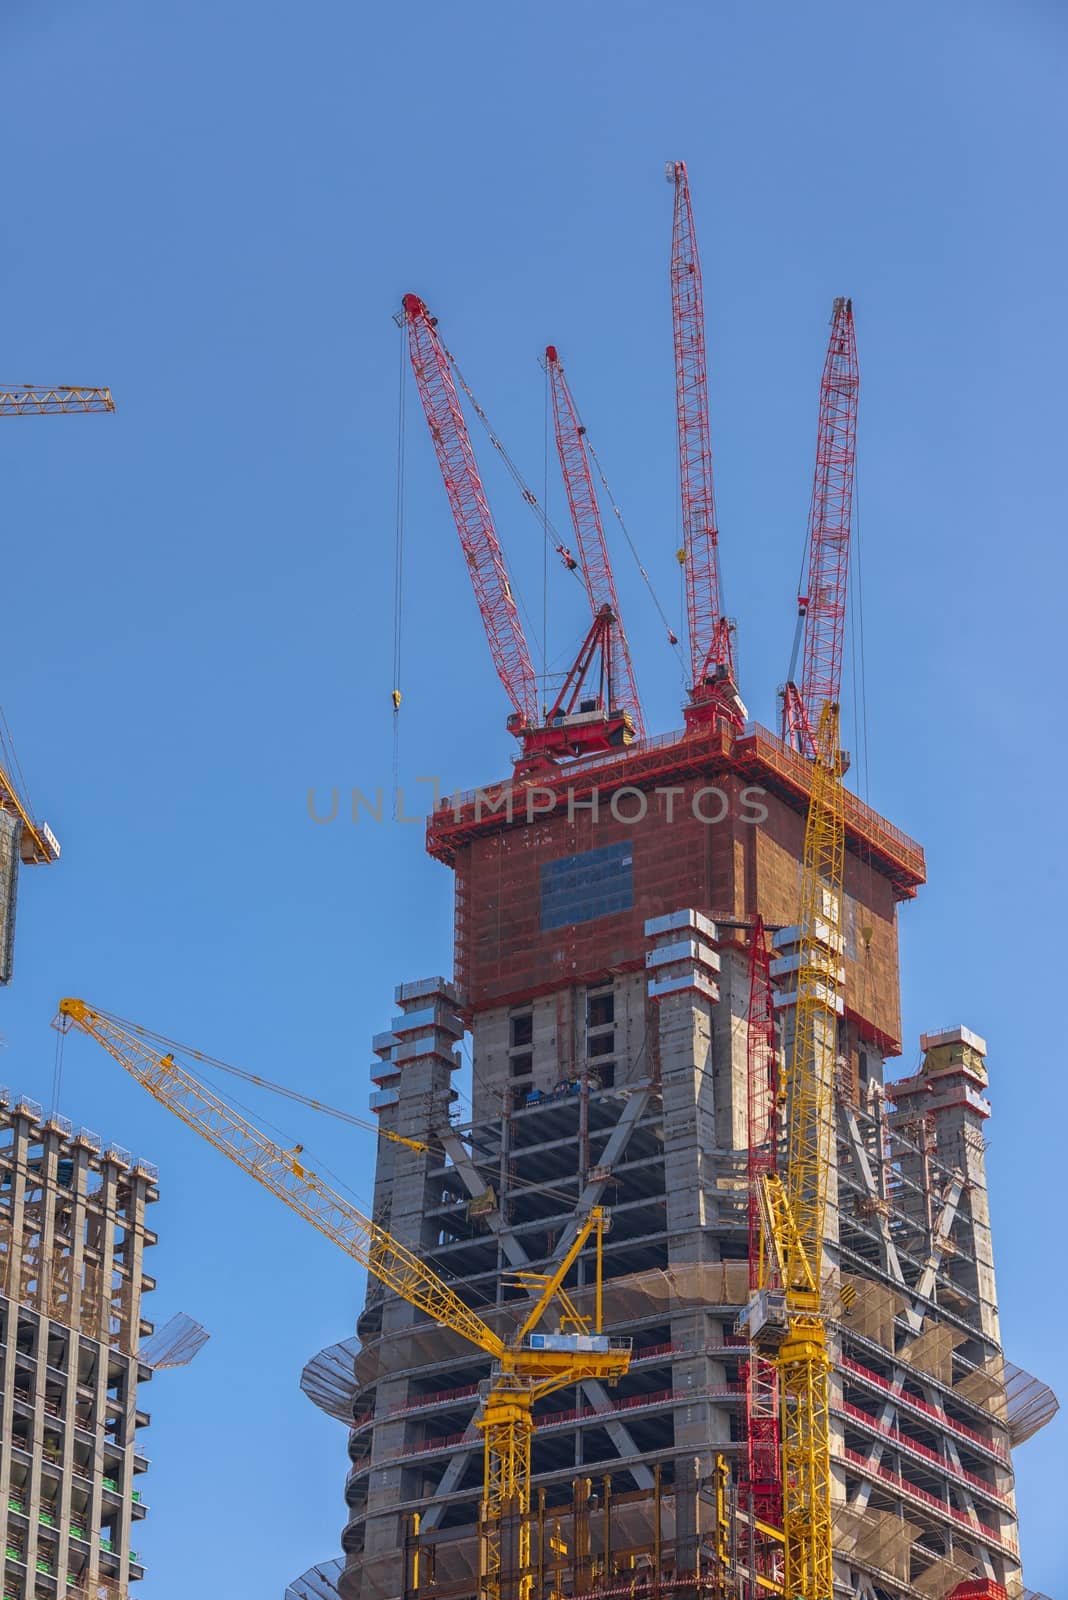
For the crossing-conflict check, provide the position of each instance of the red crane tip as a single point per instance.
(412, 305)
(550, 353)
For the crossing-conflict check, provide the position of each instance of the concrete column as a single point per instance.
(948, 1093)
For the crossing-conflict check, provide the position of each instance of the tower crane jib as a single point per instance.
(526, 1366)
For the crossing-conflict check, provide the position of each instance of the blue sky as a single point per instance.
(215, 210)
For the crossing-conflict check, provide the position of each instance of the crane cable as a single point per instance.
(398, 574)
(541, 515)
(860, 678)
(672, 636)
(173, 1046)
(9, 758)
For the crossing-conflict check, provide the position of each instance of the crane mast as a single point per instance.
(762, 1481)
(711, 649)
(821, 605)
(796, 1210)
(589, 533)
(794, 1205)
(526, 1366)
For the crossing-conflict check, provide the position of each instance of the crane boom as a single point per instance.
(526, 1368)
(711, 651)
(31, 401)
(471, 513)
(280, 1171)
(822, 602)
(157, 1040)
(589, 532)
(38, 845)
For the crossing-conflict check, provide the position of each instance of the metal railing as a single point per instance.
(994, 1535)
(911, 1400)
(901, 1441)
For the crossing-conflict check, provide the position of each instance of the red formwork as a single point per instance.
(715, 822)
(756, 754)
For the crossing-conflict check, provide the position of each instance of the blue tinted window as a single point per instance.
(580, 888)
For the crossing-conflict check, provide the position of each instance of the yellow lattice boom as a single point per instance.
(38, 845)
(30, 401)
(526, 1368)
(283, 1173)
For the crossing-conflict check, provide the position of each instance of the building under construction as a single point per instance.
(663, 948)
(610, 1066)
(73, 1234)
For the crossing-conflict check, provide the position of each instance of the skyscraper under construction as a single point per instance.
(603, 970)
(800, 1246)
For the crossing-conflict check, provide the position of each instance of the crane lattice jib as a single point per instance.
(38, 843)
(710, 644)
(50, 402)
(524, 1370)
(280, 1171)
(589, 532)
(824, 601)
(471, 512)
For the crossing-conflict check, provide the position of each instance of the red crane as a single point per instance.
(713, 692)
(589, 533)
(471, 512)
(821, 604)
(763, 1463)
(582, 720)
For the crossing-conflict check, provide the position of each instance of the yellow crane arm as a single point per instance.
(280, 1171)
(39, 844)
(158, 1041)
(29, 401)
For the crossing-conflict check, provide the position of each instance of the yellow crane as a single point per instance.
(28, 400)
(37, 844)
(527, 1366)
(157, 1041)
(790, 1326)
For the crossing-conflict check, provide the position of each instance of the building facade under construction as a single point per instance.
(603, 973)
(74, 1230)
